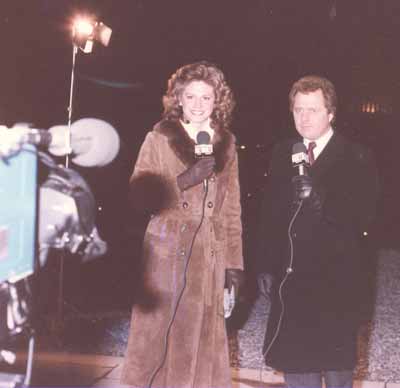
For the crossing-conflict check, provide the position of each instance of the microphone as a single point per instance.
(92, 142)
(203, 148)
(300, 158)
(39, 137)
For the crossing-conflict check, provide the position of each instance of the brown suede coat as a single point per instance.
(197, 351)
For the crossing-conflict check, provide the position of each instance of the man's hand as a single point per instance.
(304, 189)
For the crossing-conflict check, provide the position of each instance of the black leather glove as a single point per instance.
(235, 278)
(264, 282)
(197, 173)
(303, 189)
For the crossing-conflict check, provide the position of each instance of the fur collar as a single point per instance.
(183, 145)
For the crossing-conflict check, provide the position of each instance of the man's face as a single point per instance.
(310, 115)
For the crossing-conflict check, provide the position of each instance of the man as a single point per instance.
(317, 272)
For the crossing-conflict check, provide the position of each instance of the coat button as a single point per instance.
(210, 204)
(185, 205)
(212, 179)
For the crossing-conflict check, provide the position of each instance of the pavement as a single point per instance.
(91, 354)
(64, 369)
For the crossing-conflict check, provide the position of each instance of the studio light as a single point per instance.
(86, 31)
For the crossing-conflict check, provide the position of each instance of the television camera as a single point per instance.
(37, 217)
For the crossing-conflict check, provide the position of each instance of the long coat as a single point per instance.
(185, 258)
(322, 296)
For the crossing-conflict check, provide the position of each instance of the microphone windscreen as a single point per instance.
(99, 139)
(299, 148)
(203, 137)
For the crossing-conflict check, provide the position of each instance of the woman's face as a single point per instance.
(197, 101)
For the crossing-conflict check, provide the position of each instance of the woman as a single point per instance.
(192, 245)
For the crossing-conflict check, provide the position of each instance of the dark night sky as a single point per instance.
(263, 46)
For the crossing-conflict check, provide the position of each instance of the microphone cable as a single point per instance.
(289, 270)
(178, 299)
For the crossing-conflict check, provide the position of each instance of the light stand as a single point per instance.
(71, 94)
(84, 33)
(60, 298)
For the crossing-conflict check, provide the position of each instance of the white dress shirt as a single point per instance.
(320, 143)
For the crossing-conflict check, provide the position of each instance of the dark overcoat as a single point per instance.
(321, 297)
(182, 251)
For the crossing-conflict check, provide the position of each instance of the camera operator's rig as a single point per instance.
(58, 214)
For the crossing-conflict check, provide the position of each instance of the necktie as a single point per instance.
(310, 152)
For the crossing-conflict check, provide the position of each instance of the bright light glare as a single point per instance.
(104, 34)
(83, 27)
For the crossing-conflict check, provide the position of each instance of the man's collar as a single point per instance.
(321, 141)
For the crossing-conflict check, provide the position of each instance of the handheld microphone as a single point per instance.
(300, 158)
(39, 137)
(203, 148)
